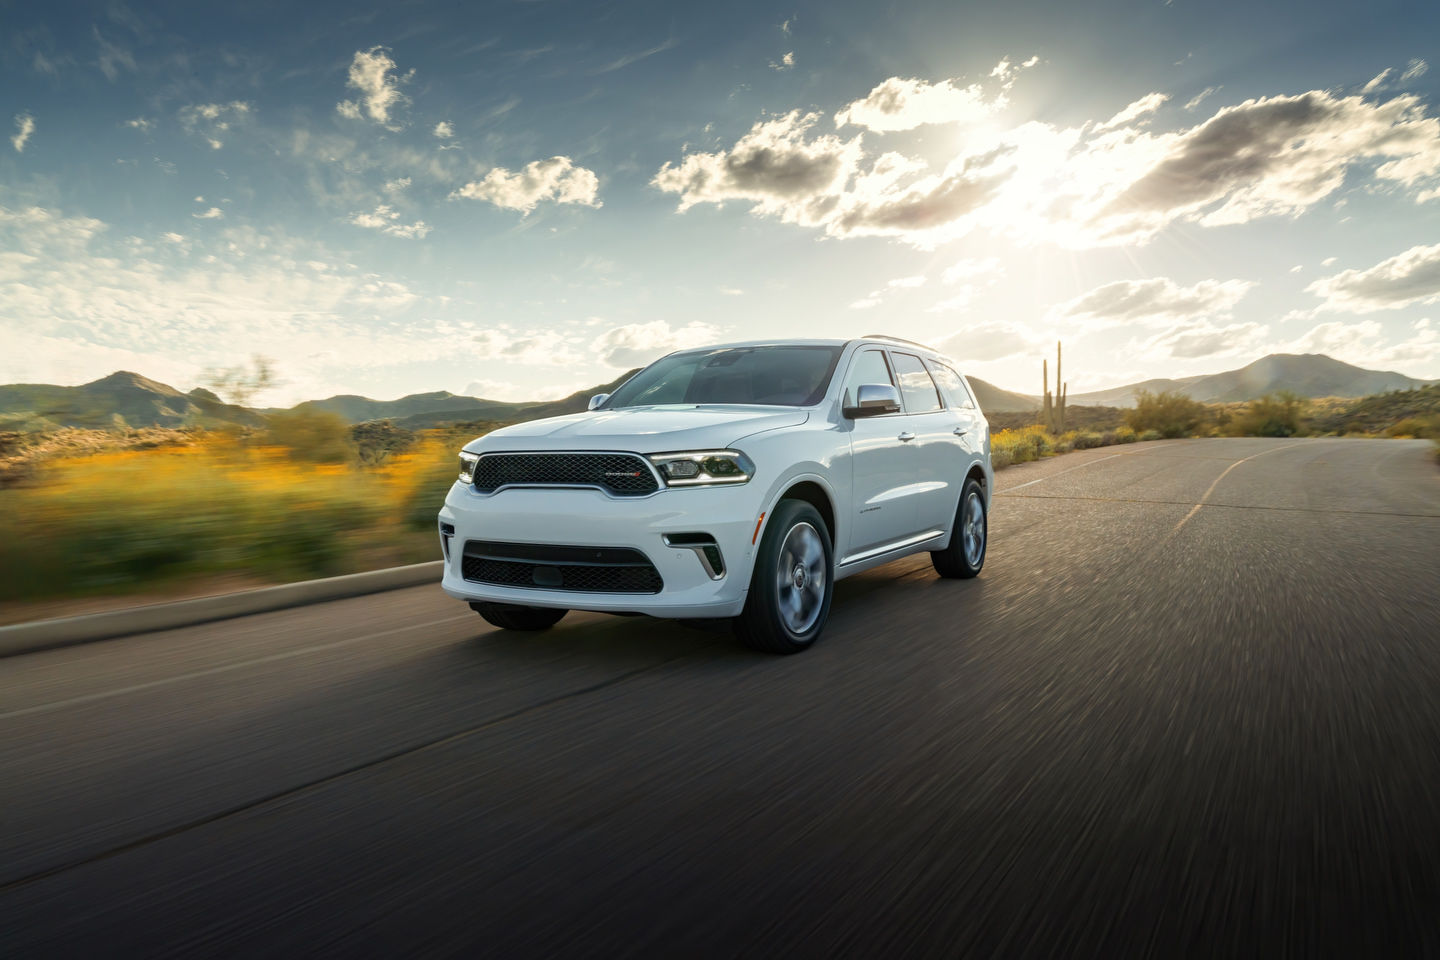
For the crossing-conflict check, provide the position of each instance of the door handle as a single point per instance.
(906, 437)
(960, 431)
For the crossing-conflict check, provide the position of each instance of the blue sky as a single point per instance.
(521, 199)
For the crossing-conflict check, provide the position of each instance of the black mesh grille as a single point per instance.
(623, 474)
(547, 567)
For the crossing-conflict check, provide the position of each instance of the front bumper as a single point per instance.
(588, 517)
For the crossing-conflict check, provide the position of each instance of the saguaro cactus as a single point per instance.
(1052, 416)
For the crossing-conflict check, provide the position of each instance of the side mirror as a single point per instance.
(598, 399)
(874, 399)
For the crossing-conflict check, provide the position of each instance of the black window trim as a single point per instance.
(939, 394)
(884, 352)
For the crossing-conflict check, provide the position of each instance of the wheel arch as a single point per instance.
(814, 493)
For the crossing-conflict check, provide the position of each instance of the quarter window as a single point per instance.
(915, 384)
(869, 366)
(956, 391)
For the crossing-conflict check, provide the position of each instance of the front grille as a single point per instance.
(623, 474)
(551, 567)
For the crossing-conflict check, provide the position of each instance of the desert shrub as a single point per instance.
(313, 436)
(1000, 457)
(1273, 415)
(1151, 435)
(1088, 441)
(378, 440)
(1425, 428)
(1124, 435)
(1168, 413)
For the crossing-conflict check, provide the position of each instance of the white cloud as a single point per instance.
(76, 304)
(444, 130)
(988, 267)
(213, 120)
(386, 219)
(1035, 182)
(1146, 104)
(1406, 278)
(637, 344)
(985, 340)
(785, 62)
(1196, 339)
(907, 282)
(773, 166)
(24, 126)
(1366, 344)
(1376, 83)
(143, 124)
(901, 103)
(113, 57)
(1414, 70)
(557, 179)
(397, 186)
(1158, 300)
(214, 213)
(172, 237)
(1199, 98)
(1329, 261)
(372, 74)
(865, 303)
(1266, 157)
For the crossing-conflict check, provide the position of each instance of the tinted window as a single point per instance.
(869, 366)
(956, 391)
(791, 376)
(915, 384)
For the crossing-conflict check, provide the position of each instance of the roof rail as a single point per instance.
(886, 336)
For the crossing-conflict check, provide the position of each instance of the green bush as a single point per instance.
(1424, 428)
(1168, 413)
(1088, 441)
(314, 436)
(1124, 435)
(1151, 435)
(1273, 415)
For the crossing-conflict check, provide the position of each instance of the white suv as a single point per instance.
(731, 481)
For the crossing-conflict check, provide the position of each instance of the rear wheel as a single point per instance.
(791, 587)
(966, 553)
(510, 616)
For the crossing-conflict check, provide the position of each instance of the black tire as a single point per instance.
(509, 616)
(763, 624)
(962, 560)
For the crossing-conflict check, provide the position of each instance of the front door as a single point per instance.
(882, 466)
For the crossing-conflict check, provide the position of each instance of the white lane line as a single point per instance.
(152, 684)
(1211, 489)
(1057, 473)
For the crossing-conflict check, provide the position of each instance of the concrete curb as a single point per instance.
(67, 631)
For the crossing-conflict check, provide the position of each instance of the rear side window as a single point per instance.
(869, 366)
(915, 384)
(957, 392)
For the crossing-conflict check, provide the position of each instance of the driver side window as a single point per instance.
(869, 366)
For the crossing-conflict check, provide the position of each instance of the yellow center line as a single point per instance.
(1211, 489)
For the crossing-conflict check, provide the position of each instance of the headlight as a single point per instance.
(694, 468)
(467, 466)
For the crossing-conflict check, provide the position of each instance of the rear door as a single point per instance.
(941, 461)
(882, 466)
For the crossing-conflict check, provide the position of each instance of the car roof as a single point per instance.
(805, 342)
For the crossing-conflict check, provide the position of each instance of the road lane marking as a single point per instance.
(1236, 506)
(1211, 489)
(212, 671)
(1000, 493)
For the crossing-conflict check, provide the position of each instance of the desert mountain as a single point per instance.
(1309, 375)
(120, 400)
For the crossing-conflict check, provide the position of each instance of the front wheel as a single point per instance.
(966, 553)
(510, 616)
(791, 587)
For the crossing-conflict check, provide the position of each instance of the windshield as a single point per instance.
(791, 376)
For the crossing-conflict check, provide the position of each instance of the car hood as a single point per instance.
(655, 429)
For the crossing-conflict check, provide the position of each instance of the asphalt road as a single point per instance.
(1191, 707)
